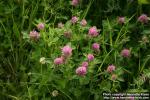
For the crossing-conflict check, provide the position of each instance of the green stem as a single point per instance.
(29, 92)
(99, 69)
(89, 5)
(141, 69)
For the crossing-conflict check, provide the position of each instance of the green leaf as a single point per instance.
(105, 85)
(15, 30)
(146, 32)
(77, 92)
(143, 1)
(147, 73)
(25, 35)
(61, 83)
(120, 79)
(67, 25)
(84, 80)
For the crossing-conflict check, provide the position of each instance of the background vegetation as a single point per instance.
(21, 77)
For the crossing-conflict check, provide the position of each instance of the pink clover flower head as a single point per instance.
(58, 61)
(60, 25)
(125, 53)
(110, 68)
(85, 64)
(93, 32)
(113, 77)
(67, 34)
(121, 20)
(95, 46)
(67, 51)
(34, 35)
(75, 2)
(40, 26)
(83, 22)
(74, 19)
(81, 71)
(90, 57)
(143, 18)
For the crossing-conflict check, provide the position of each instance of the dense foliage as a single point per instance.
(73, 49)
